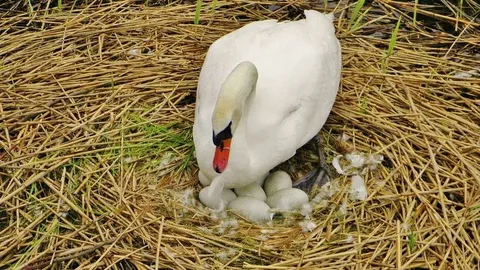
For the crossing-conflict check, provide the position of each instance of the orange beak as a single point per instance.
(222, 152)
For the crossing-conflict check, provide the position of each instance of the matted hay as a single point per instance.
(96, 156)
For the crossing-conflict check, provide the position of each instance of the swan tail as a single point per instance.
(314, 15)
(320, 21)
(330, 16)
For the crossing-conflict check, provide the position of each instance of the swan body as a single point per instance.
(264, 91)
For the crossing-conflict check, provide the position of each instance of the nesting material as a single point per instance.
(373, 161)
(467, 74)
(134, 52)
(336, 164)
(358, 190)
(326, 192)
(356, 160)
(306, 209)
(307, 225)
(356, 163)
(84, 127)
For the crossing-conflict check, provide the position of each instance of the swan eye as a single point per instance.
(222, 135)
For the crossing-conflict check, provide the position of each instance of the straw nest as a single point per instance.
(97, 163)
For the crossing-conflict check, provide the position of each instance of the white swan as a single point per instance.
(264, 91)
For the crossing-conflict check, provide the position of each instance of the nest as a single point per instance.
(97, 161)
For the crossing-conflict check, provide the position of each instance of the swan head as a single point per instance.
(229, 108)
(222, 141)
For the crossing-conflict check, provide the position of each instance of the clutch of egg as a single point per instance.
(259, 204)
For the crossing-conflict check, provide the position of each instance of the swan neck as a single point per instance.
(235, 95)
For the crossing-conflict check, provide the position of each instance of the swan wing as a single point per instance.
(299, 65)
(220, 60)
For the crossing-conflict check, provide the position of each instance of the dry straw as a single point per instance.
(96, 157)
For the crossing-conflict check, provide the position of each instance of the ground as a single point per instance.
(97, 161)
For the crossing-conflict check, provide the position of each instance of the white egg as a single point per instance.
(253, 209)
(276, 181)
(287, 199)
(228, 195)
(203, 179)
(252, 190)
(260, 181)
(216, 202)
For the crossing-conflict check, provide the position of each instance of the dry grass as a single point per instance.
(96, 149)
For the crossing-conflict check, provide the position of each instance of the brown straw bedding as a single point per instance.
(96, 156)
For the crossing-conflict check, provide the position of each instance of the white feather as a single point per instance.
(299, 65)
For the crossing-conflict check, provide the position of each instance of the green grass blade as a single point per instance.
(363, 106)
(356, 11)
(415, 13)
(391, 44)
(356, 25)
(393, 39)
(412, 241)
(198, 7)
(30, 8)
